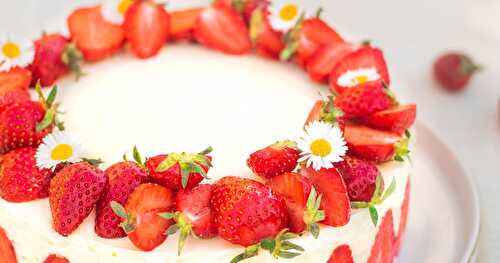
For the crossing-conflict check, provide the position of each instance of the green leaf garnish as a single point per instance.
(373, 215)
(128, 224)
(312, 213)
(255, 25)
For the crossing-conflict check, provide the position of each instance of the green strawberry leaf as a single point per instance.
(47, 120)
(128, 225)
(255, 25)
(312, 214)
(359, 205)
(373, 215)
(379, 189)
(172, 230)
(118, 209)
(390, 189)
(166, 164)
(52, 97)
(72, 57)
(249, 252)
(137, 156)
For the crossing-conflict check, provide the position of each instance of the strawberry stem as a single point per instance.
(312, 214)
(72, 57)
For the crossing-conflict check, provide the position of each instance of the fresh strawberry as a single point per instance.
(321, 64)
(146, 27)
(341, 254)
(267, 41)
(364, 100)
(275, 159)
(6, 248)
(15, 78)
(403, 220)
(382, 250)
(247, 211)
(93, 35)
(301, 200)
(141, 220)
(327, 112)
(73, 193)
(375, 145)
(193, 214)
(20, 178)
(182, 23)
(396, 119)
(335, 200)
(222, 28)
(177, 171)
(307, 38)
(359, 176)
(363, 58)
(55, 259)
(54, 57)
(245, 7)
(123, 178)
(14, 96)
(454, 70)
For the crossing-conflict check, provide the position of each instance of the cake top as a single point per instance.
(313, 178)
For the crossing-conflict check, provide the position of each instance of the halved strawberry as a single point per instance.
(335, 201)
(141, 220)
(245, 7)
(146, 27)
(15, 78)
(302, 203)
(267, 41)
(363, 58)
(193, 214)
(275, 159)
(321, 64)
(364, 100)
(182, 23)
(325, 110)
(396, 119)
(359, 176)
(403, 220)
(341, 254)
(382, 250)
(306, 38)
(55, 259)
(93, 35)
(7, 251)
(222, 28)
(375, 145)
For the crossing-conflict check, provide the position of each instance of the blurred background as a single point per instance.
(412, 34)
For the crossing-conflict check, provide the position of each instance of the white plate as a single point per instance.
(443, 222)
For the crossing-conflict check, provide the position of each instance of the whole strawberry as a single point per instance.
(275, 159)
(56, 259)
(54, 57)
(27, 123)
(20, 178)
(13, 96)
(364, 100)
(247, 211)
(179, 170)
(359, 176)
(73, 194)
(123, 178)
(454, 70)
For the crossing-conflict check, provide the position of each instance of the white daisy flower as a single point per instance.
(352, 78)
(321, 145)
(114, 11)
(284, 14)
(58, 147)
(15, 52)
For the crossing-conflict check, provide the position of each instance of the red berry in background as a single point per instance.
(454, 70)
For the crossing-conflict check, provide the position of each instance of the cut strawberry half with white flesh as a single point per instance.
(375, 145)
(396, 119)
(321, 64)
(366, 64)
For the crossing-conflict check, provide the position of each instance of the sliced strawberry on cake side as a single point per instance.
(123, 178)
(376, 145)
(366, 64)
(73, 194)
(179, 170)
(7, 251)
(182, 23)
(56, 259)
(403, 220)
(335, 200)
(146, 27)
(275, 159)
(267, 41)
(341, 254)
(396, 119)
(302, 202)
(222, 28)
(93, 35)
(141, 215)
(382, 250)
(193, 214)
(20, 178)
(322, 62)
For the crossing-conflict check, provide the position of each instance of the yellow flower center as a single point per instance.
(62, 152)
(11, 50)
(361, 79)
(289, 12)
(321, 147)
(123, 6)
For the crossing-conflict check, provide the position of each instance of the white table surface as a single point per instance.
(412, 33)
